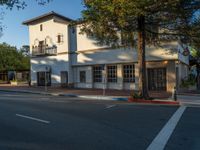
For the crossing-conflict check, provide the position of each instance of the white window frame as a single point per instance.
(97, 74)
(112, 73)
(129, 73)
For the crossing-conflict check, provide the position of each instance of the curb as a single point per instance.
(92, 97)
(71, 95)
(103, 98)
(156, 102)
(24, 91)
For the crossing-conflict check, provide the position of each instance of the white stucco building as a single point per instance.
(69, 58)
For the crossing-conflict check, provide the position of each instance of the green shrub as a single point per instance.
(188, 81)
(136, 95)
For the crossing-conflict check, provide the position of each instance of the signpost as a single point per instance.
(104, 79)
(46, 69)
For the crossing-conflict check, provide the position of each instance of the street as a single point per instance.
(38, 122)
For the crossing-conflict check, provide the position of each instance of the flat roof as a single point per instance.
(52, 13)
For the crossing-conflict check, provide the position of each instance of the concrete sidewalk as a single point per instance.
(122, 95)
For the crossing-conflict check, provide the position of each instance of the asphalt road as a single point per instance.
(35, 122)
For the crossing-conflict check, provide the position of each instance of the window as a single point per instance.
(60, 38)
(64, 78)
(42, 80)
(129, 73)
(41, 27)
(41, 47)
(112, 73)
(73, 30)
(82, 76)
(97, 73)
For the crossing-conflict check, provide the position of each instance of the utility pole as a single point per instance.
(104, 79)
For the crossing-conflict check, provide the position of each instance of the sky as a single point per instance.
(16, 34)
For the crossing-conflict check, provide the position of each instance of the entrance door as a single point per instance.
(41, 78)
(157, 79)
(64, 78)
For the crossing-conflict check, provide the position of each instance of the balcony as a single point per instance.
(44, 50)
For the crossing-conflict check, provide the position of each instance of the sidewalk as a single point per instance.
(82, 93)
(190, 93)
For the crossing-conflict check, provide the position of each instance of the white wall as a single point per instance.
(91, 53)
(57, 64)
(86, 43)
(124, 55)
(51, 28)
(88, 83)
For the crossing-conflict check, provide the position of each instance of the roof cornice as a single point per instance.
(50, 14)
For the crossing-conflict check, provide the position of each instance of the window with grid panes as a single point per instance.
(129, 73)
(112, 73)
(97, 73)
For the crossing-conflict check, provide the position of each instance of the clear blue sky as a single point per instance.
(16, 34)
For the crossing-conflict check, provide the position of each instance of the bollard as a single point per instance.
(174, 94)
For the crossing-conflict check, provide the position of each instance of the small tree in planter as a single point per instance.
(135, 96)
(13, 82)
(189, 82)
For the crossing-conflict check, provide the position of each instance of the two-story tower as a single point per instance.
(49, 48)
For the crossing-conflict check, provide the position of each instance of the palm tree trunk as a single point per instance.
(141, 58)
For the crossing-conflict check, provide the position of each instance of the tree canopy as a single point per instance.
(12, 59)
(106, 18)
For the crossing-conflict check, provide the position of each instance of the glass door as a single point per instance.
(157, 79)
(41, 78)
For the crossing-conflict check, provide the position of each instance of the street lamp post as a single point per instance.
(104, 80)
(46, 69)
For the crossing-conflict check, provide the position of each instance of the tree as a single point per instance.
(152, 20)
(195, 53)
(195, 48)
(25, 50)
(12, 60)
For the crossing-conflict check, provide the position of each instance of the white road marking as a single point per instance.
(161, 139)
(110, 106)
(32, 118)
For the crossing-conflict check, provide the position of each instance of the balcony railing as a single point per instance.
(44, 50)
